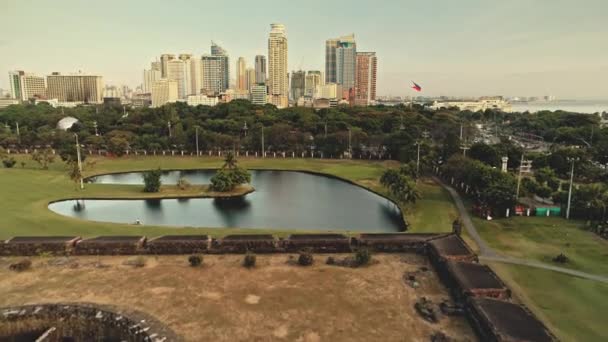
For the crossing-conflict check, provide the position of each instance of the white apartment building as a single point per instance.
(258, 94)
(278, 79)
(328, 91)
(75, 88)
(195, 100)
(164, 91)
(25, 86)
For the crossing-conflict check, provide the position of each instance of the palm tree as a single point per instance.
(230, 161)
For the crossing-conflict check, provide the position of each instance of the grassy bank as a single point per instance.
(574, 308)
(27, 191)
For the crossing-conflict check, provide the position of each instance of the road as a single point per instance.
(487, 253)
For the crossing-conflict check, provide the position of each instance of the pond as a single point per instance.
(282, 200)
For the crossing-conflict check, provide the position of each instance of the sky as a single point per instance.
(449, 47)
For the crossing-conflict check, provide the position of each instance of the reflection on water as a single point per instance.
(282, 200)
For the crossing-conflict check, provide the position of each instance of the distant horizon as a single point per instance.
(471, 49)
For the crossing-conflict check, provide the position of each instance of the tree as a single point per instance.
(43, 157)
(222, 181)
(230, 161)
(152, 180)
(485, 153)
(118, 146)
(74, 171)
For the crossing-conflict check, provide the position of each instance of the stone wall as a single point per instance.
(80, 322)
(255, 243)
(32, 245)
(111, 245)
(178, 244)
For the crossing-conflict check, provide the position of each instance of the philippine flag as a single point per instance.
(416, 87)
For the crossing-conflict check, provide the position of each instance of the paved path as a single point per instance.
(487, 253)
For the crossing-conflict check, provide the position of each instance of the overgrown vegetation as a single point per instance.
(229, 176)
(195, 260)
(152, 181)
(249, 260)
(305, 258)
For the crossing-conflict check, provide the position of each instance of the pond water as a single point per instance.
(282, 200)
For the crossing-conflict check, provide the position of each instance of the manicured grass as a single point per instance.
(434, 212)
(27, 191)
(574, 308)
(543, 238)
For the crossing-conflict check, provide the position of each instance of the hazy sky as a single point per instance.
(450, 47)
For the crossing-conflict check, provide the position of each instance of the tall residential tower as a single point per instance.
(367, 69)
(278, 78)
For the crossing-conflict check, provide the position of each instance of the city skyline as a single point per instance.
(513, 49)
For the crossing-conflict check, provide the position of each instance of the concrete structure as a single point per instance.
(195, 100)
(178, 70)
(4, 102)
(250, 73)
(328, 91)
(164, 60)
(216, 74)
(196, 76)
(313, 80)
(278, 79)
(164, 91)
(241, 74)
(260, 69)
(75, 88)
(25, 86)
(365, 78)
(298, 82)
(482, 104)
(258, 94)
(151, 75)
(142, 100)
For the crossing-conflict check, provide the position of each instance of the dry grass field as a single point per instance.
(223, 301)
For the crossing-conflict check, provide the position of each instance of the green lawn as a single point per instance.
(434, 212)
(542, 238)
(27, 191)
(574, 308)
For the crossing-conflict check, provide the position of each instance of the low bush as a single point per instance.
(249, 260)
(9, 162)
(305, 258)
(195, 260)
(363, 257)
(330, 261)
(183, 184)
(21, 265)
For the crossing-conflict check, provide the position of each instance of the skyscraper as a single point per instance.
(297, 84)
(250, 72)
(260, 69)
(177, 71)
(196, 75)
(340, 60)
(258, 94)
(346, 59)
(313, 80)
(187, 59)
(152, 75)
(75, 88)
(365, 89)
(164, 91)
(164, 60)
(241, 74)
(216, 74)
(278, 78)
(25, 86)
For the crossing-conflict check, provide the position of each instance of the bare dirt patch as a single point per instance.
(223, 301)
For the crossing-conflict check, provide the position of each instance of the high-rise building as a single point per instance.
(258, 94)
(164, 91)
(177, 71)
(241, 74)
(314, 79)
(340, 60)
(216, 73)
(150, 76)
(75, 88)
(187, 59)
(251, 76)
(164, 60)
(328, 91)
(25, 86)
(278, 77)
(346, 61)
(297, 84)
(365, 89)
(196, 75)
(260, 69)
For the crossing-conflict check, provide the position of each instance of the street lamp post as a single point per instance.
(570, 189)
(521, 166)
(418, 160)
(263, 154)
(197, 153)
(79, 162)
(350, 146)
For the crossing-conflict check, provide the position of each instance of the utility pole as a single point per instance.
(464, 147)
(263, 154)
(95, 125)
(325, 136)
(350, 148)
(197, 154)
(570, 189)
(418, 161)
(461, 131)
(169, 125)
(79, 162)
(18, 133)
(521, 166)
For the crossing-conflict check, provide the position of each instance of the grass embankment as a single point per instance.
(27, 191)
(574, 308)
(543, 238)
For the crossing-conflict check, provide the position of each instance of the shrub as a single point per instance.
(182, 183)
(21, 265)
(330, 261)
(222, 181)
(305, 258)
(362, 257)
(249, 260)
(195, 260)
(9, 162)
(152, 180)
